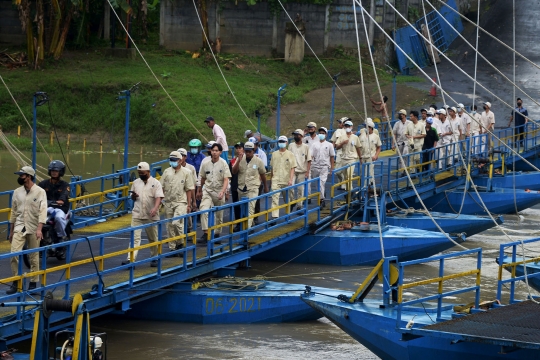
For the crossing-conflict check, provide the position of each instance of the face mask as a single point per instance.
(173, 163)
(348, 130)
(194, 151)
(282, 145)
(143, 177)
(322, 137)
(485, 107)
(297, 138)
(20, 181)
(519, 104)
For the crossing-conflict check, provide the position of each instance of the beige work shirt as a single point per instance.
(282, 163)
(193, 171)
(175, 185)
(214, 174)
(28, 209)
(475, 124)
(416, 130)
(369, 144)
(302, 154)
(147, 195)
(338, 133)
(349, 150)
(249, 174)
(486, 119)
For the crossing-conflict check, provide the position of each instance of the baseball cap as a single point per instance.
(239, 145)
(453, 109)
(26, 170)
(143, 166)
(298, 132)
(348, 122)
(311, 124)
(423, 110)
(460, 105)
(441, 111)
(343, 119)
(253, 140)
(488, 104)
(324, 129)
(209, 145)
(175, 155)
(247, 133)
(446, 106)
(403, 112)
(182, 151)
(430, 112)
(370, 123)
(429, 120)
(249, 146)
(283, 138)
(208, 119)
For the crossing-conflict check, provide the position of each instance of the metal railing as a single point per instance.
(514, 265)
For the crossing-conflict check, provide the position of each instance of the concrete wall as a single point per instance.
(10, 26)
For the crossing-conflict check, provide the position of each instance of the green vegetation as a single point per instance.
(83, 86)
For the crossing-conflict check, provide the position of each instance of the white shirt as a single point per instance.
(465, 121)
(456, 126)
(400, 130)
(475, 124)
(486, 119)
(262, 155)
(219, 136)
(445, 128)
(310, 141)
(321, 153)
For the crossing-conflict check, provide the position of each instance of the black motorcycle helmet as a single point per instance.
(57, 165)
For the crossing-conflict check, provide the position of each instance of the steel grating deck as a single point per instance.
(516, 325)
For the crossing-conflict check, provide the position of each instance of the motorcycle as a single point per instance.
(50, 237)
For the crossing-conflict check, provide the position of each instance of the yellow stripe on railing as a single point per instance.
(514, 265)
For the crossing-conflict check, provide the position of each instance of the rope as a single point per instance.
(319, 60)
(24, 117)
(154, 74)
(13, 151)
(219, 67)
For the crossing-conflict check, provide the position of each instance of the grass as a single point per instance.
(84, 85)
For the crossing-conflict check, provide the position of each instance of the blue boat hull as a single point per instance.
(275, 303)
(375, 328)
(521, 180)
(498, 201)
(450, 223)
(351, 247)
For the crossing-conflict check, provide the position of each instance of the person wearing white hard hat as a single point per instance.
(251, 172)
(465, 122)
(416, 132)
(455, 124)
(215, 176)
(350, 145)
(261, 155)
(302, 154)
(323, 161)
(283, 163)
(146, 193)
(178, 187)
(339, 133)
(476, 125)
(365, 130)
(487, 120)
(399, 131)
(370, 143)
(445, 140)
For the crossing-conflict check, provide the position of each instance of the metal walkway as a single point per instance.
(515, 326)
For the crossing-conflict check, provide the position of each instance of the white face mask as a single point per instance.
(348, 130)
(322, 136)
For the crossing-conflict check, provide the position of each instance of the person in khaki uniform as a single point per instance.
(28, 214)
(251, 172)
(191, 168)
(302, 154)
(146, 193)
(322, 163)
(215, 176)
(416, 132)
(339, 133)
(350, 147)
(371, 148)
(178, 185)
(283, 164)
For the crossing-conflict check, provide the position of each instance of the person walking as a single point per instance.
(323, 161)
(302, 154)
(430, 143)
(219, 136)
(446, 138)
(238, 150)
(487, 120)
(283, 164)
(178, 186)
(28, 214)
(195, 156)
(455, 124)
(339, 133)
(370, 143)
(251, 172)
(146, 193)
(520, 117)
(350, 146)
(183, 161)
(215, 176)
(475, 130)
(311, 137)
(416, 133)
(261, 155)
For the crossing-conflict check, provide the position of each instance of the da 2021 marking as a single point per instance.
(232, 305)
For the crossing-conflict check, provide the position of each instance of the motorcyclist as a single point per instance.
(195, 157)
(57, 198)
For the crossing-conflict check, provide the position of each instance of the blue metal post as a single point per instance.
(278, 108)
(331, 127)
(34, 135)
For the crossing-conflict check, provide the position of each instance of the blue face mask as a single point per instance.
(173, 163)
(194, 151)
(282, 145)
(322, 136)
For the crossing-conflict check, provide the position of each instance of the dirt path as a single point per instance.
(316, 106)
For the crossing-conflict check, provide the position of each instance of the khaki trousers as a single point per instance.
(250, 194)
(151, 233)
(210, 199)
(175, 227)
(371, 171)
(298, 192)
(347, 173)
(17, 244)
(275, 198)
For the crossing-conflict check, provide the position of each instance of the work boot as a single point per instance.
(32, 285)
(236, 228)
(12, 289)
